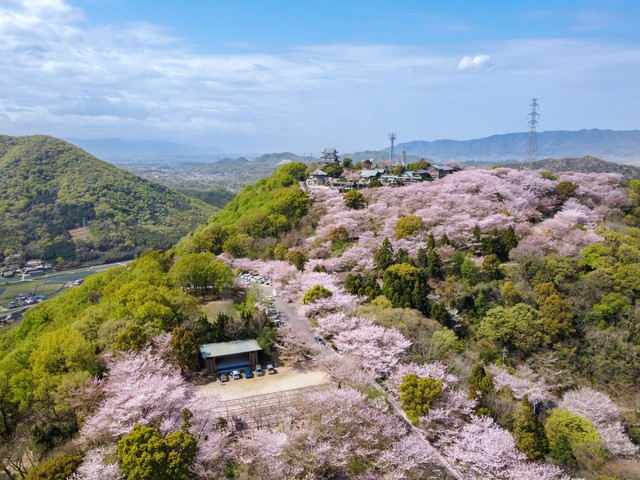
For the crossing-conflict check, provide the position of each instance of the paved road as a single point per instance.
(66, 275)
(289, 313)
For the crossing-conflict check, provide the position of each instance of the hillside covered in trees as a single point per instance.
(584, 165)
(497, 309)
(49, 188)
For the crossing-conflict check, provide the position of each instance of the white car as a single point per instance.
(235, 374)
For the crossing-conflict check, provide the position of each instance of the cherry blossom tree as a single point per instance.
(97, 465)
(536, 391)
(450, 412)
(536, 471)
(484, 450)
(604, 414)
(342, 428)
(378, 348)
(139, 388)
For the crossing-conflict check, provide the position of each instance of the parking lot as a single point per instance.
(286, 378)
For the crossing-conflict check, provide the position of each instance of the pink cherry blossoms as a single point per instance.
(536, 391)
(604, 414)
(378, 349)
(454, 205)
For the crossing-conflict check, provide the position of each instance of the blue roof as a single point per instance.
(372, 173)
(209, 350)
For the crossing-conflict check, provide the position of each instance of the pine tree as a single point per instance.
(528, 430)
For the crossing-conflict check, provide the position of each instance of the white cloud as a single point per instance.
(478, 63)
(59, 77)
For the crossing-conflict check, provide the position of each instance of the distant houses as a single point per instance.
(321, 179)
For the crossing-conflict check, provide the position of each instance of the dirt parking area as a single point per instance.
(286, 378)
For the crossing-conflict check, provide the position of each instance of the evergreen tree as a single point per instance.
(420, 295)
(383, 258)
(528, 430)
(422, 260)
(434, 267)
(371, 288)
(403, 257)
(439, 313)
(144, 454)
(353, 284)
(509, 239)
(431, 242)
(418, 394)
(480, 385)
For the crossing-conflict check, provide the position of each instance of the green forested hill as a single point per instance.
(585, 165)
(49, 187)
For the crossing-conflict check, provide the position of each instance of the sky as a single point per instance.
(301, 76)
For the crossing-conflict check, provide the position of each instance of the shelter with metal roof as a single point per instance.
(227, 356)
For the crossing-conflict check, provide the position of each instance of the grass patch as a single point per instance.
(371, 393)
(212, 309)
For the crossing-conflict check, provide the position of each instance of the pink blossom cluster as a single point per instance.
(95, 464)
(604, 414)
(378, 349)
(450, 412)
(330, 264)
(598, 190)
(140, 387)
(454, 205)
(144, 388)
(304, 281)
(332, 324)
(535, 391)
(339, 424)
(568, 232)
(338, 301)
(276, 270)
(484, 450)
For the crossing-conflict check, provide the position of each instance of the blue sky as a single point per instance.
(267, 76)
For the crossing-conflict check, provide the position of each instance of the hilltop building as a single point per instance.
(330, 155)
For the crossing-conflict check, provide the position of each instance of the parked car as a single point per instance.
(259, 371)
(235, 374)
(224, 378)
(248, 374)
(270, 369)
(319, 340)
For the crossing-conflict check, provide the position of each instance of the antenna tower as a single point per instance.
(392, 137)
(533, 137)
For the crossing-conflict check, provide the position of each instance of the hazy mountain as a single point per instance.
(57, 201)
(116, 147)
(615, 146)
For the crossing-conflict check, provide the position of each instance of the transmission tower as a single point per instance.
(392, 137)
(533, 137)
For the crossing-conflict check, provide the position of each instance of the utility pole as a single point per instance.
(392, 137)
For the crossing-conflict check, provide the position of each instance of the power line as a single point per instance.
(533, 137)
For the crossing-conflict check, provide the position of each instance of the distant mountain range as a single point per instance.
(116, 147)
(612, 145)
